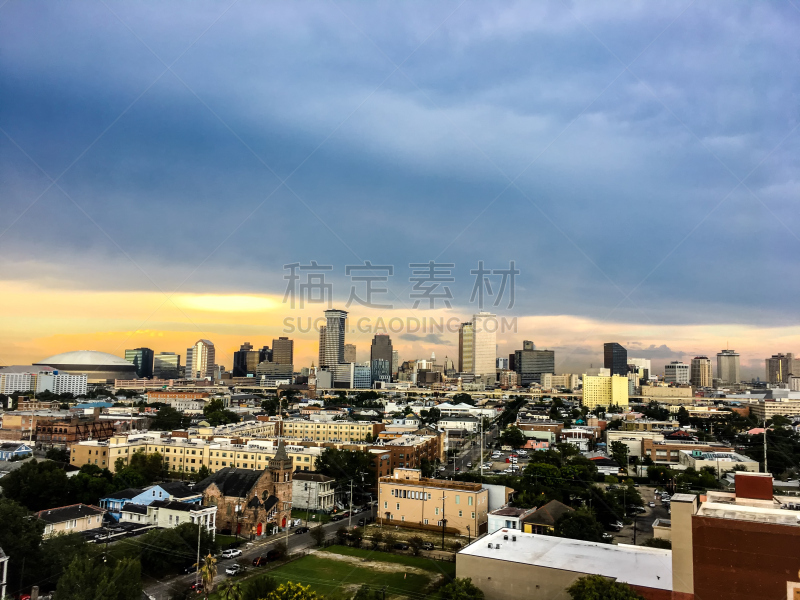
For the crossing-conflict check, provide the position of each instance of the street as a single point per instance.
(161, 590)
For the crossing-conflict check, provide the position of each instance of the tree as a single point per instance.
(20, 538)
(595, 587)
(281, 550)
(342, 535)
(318, 535)
(231, 590)
(89, 577)
(168, 419)
(344, 465)
(683, 416)
(658, 543)
(579, 525)
(461, 589)
(36, 485)
(463, 398)
(259, 588)
(619, 452)
(57, 455)
(416, 542)
(207, 573)
(270, 406)
(659, 474)
(427, 468)
(512, 436)
(389, 540)
(377, 538)
(293, 591)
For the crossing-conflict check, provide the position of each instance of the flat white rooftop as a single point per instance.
(636, 565)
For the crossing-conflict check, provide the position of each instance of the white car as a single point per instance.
(232, 553)
(442, 469)
(234, 570)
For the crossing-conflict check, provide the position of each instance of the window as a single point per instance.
(425, 521)
(458, 499)
(385, 505)
(437, 512)
(402, 517)
(469, 500)
(398, 506)
(392, 492)
(459, 514)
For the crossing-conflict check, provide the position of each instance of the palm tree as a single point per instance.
(231, 590)
(208, 572)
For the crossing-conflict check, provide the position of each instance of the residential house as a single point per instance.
(174, 490)
(543, 520)
(71, 519)
(509, 517)
(14, 451)
(312, 491)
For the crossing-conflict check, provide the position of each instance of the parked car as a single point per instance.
(401, 546)
(301, 530)
(197, 588)
(273, 555)
(427, 546)
(469, 464)
(337, 518)
(234, 570)
(361, 522)
(651, 504)
(442, 469)
(458, 468)
(607, 537)
(231, 553)
(260, 561)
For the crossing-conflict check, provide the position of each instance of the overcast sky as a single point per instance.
(638, 162)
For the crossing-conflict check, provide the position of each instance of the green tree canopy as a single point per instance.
(579, 525)
(461, 589)
(89, 577)
(512, 436)
(595, 587)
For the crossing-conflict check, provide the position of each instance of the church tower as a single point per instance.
(280, 469)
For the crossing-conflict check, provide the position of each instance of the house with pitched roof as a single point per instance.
(173, 490)
(544, 519)
(70, 519)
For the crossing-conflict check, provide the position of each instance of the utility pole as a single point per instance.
(444, 521)
(197, 566)
(350, 512)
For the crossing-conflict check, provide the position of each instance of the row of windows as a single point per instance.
(399, 493)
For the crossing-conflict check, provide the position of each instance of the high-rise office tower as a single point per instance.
(395, 361)
(677, 372)
(200, 360)
(321, 357)
(530, 364)
(334, 337)
(245, 361)
(283, 351)
(167, 365)
(779, 367)
(380, 370)
(143, 359)
(349, 353)
(701, 372)
(615, 358)
(641, 366)
(381, 348)
(466, 362)
(484, 349)
(728, 367)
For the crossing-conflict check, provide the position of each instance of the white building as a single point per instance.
(677, 372)
(61, 383)
(312, 491)
(470, 424)
(484, 331)
(509, 517)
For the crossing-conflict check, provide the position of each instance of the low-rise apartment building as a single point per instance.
(341, 431)
(721, 462)
(649, 425)
(406, 499)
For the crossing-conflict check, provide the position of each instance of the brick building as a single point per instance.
(248, 500)
(64, 433)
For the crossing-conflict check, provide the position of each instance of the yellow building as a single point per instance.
(602, 390)
(181, 454)
(328, 431)
(407, 499)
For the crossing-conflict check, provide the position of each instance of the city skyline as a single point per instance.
(592, 162)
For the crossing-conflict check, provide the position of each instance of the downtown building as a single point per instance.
(531, 364)
(167, 365)
(728, 372)
(200, 360)
(615, 358)
(701, 372)
(142, 359)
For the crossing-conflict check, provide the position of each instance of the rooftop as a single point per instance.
(65, 513)
(636, 565)
(434, 483)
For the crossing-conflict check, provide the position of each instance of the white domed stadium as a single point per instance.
(99, 367)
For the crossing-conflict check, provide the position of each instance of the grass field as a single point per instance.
(338, 571)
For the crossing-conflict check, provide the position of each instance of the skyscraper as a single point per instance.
(779, 367)
(265, 354)
(701, 372)
(245, 361)
(283, 351)
(321, 357)
(143, 359)
(484, 349)
(677, 372)
(334, 337)
(466, 361)
(395, 361)
(615, 358)
(200, 360)
(530, 364)
(167, 365)
(381, 348)
(728, 367)
(350, 353)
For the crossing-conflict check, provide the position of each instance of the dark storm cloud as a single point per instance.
(624, 202)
